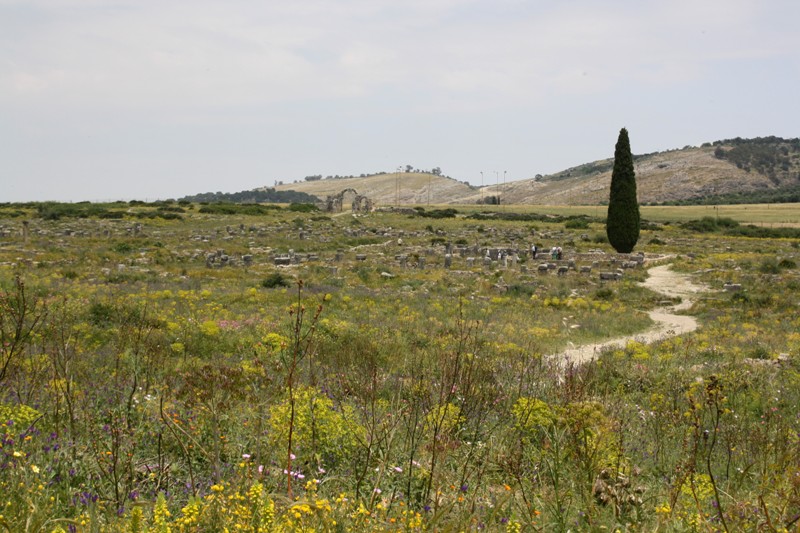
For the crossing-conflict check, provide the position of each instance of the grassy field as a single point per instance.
(760, 214)
(181, 367)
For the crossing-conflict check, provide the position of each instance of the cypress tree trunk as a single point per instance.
(622, 223)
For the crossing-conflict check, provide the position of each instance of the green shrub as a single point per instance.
(21, 416)
(122, 248)
(276, 279)
(303, 208)
(769, 266)
(577, 223)
(320, 433)
(604, 293)
(532, 417)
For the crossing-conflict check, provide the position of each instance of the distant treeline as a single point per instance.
(572, 221)
(318, 177)
(111, 210)
(784, 195)
(738, 141)
(533, 217)
(137, 209)
(728, 226)
(254, 197)
(436, 171)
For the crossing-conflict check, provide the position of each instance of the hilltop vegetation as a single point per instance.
(773, 157)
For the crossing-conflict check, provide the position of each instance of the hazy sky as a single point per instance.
(146, 99)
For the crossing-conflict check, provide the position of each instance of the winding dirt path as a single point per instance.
(662, 280)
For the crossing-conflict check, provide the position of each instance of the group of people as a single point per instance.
(556, 252)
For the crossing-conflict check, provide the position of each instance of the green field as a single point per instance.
(761, 214)
(187, 367)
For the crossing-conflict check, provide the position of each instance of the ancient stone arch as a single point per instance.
(358, 202)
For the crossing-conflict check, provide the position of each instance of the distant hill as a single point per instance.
(740, 170)
(396, 188)
(760, 170)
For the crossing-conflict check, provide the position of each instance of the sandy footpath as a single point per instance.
(662, 280)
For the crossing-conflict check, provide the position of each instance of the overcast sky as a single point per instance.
(146, 99)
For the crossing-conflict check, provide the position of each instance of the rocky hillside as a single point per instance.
(733, 168)
(724, 168)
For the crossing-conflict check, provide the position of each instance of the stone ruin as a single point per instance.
(358, 202)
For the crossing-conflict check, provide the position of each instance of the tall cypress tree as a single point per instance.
(622, 223)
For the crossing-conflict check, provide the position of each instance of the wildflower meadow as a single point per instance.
(170, 368)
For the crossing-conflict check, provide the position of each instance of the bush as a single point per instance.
(604, 294)
(577, 223)
(521, 289)
(276, 279)
(320, 432)
(769, 266)
(122, 248)
(437, 213)
(303, 208)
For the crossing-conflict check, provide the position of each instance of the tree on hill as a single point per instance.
(622, 223)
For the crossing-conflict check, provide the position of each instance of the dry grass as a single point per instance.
(770, 215)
